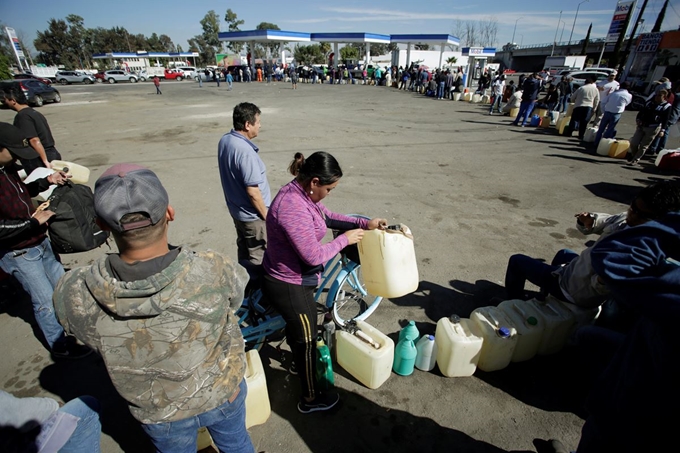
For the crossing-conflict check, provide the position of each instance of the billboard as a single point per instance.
(619, 21)
(227, 60)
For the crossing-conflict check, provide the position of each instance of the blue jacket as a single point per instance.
(637, 397)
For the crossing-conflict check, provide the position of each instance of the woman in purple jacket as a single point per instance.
(296, 224)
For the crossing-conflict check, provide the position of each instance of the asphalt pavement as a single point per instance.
(473, 189)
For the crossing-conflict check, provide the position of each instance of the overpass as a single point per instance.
(532, 57)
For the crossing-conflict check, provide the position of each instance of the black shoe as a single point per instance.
(70, 350)
(322, 402)
(293, 369)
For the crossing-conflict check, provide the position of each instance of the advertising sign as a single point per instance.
(619, 20)
(649, 42)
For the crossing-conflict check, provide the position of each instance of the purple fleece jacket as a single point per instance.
(295, 227)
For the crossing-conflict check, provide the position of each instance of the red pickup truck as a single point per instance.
(174, 74)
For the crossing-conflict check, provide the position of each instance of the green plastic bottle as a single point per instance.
(324, 366)
(411, 330)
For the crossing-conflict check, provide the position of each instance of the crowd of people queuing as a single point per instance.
(162, 316)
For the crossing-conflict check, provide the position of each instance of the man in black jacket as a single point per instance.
(25, 251)
(651, 121)
(530, 89)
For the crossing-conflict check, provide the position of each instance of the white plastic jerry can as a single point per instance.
(559, 322)
(388, 261)
(369, 364)
(529, 325)
(500, 338)
(78, 173)
(458, 347)
(258, 408)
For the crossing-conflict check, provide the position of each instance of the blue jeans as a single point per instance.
(496, 103)
(440, 90)
(522, 268)
(525, 109)
(85, 439)
(659, 143)
(609, 121)
(38, 271)
(563, 102)
(226, 424)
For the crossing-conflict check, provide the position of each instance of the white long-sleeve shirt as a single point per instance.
(586, 96)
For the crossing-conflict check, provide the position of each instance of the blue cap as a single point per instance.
(503, 332)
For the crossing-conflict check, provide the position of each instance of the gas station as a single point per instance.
(476, 55)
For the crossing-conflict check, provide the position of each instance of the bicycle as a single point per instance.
(340, 293)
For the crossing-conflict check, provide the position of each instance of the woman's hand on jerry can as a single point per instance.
(354, 236)
(377, 223)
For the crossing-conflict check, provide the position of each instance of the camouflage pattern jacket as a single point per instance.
(171, 343)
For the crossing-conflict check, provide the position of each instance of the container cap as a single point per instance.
(503, 332)
(532, 321)
(455, 319)
(430, 337)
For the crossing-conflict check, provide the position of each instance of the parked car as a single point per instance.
(118, 75)
(36, 92)
(607, 70)
(66, 77)
(24, 76)
(100, 76)
(189, 71)
(578, 76)
(173, 74)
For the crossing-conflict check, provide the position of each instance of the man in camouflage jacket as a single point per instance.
(162, 319)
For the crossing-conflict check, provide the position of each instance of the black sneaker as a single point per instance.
(322, 402)
(70, 351)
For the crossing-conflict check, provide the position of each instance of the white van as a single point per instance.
(189, 71)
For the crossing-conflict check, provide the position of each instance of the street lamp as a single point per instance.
(562, 32)
(515, 29)
(521, 40)
(556, 30)
(572, 27)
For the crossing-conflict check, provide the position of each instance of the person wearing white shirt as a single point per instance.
(613, 107)
(605, 87)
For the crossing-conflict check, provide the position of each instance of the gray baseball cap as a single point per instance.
(126, 189)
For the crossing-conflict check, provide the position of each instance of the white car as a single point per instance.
(117, 75)
(66, 77)
(190, 72)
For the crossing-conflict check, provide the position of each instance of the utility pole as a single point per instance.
(632, 34)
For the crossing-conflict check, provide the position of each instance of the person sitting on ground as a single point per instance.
(570, 277)
(43, 425)
(162, 318)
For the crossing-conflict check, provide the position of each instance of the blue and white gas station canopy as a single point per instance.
(142, 54)
(264, 36)
(351, 37)
(431, 39)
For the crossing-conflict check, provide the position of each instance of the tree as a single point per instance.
(53, 44)
(233, 25)
(349, 53)
(166, 44)
(208, 43)
(451, 60)
(325, 47)
(471, 33)
(586, 41)
(5, 67)
(421, 46)
(310, 54)
(659, 18)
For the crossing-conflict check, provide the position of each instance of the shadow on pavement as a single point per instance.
(439, 301)
(360, 425)
(17, 303)
(550, 383)
(72, 378)
(620, 193)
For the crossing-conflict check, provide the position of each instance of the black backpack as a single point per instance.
(73, 228)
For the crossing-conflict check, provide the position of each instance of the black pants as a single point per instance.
(297, 306)
(31, 164)
(580, 116)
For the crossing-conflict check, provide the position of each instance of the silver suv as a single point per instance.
(118, 75)
(66, 77)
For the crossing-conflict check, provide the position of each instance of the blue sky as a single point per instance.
(179, 19)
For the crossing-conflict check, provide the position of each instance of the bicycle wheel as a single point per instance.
(349, 296)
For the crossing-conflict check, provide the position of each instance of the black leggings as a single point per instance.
(297, 306)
